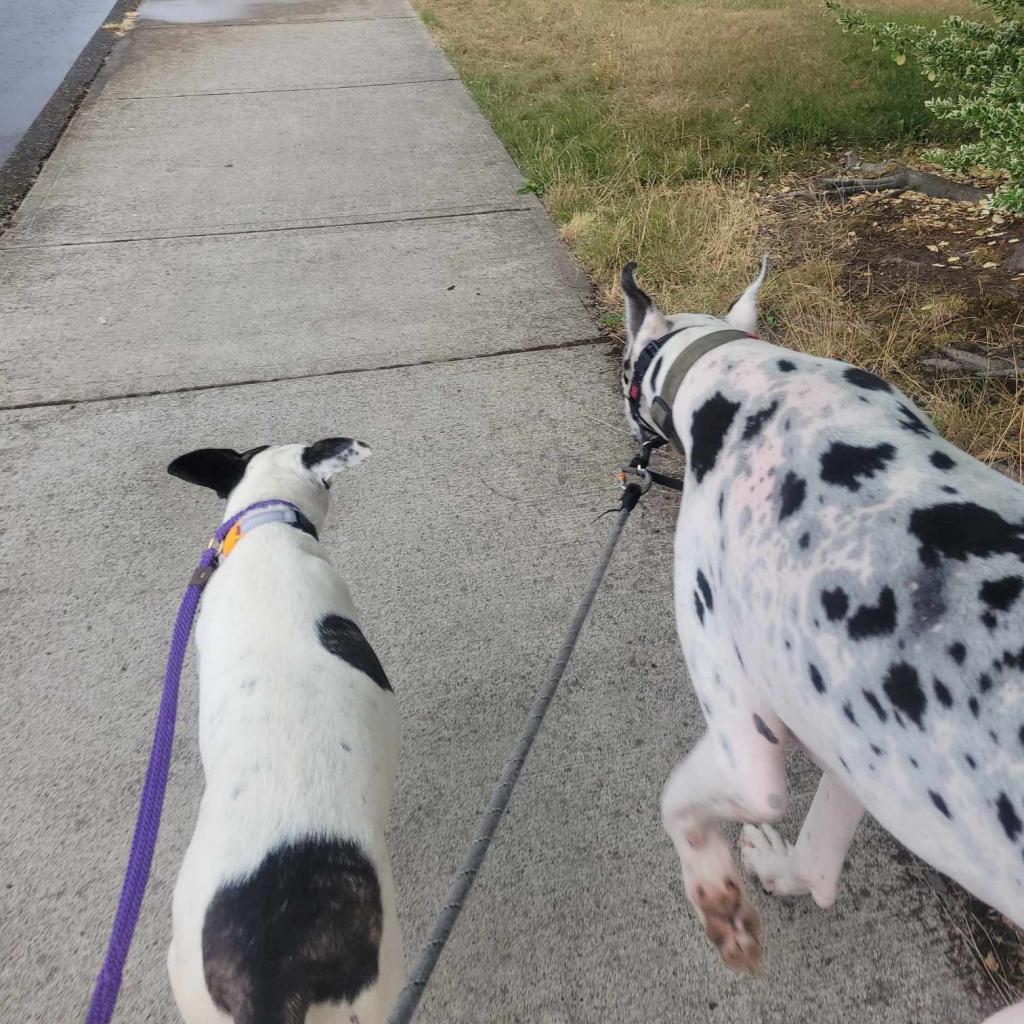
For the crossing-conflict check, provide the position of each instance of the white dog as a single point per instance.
(284, 910)
(846, 577)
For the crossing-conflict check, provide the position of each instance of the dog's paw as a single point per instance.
(768, 856)
(730, 922)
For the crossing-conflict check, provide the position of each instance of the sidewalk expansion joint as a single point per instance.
(228, 233)
(317, 375)
(296, 88)
(145, 25)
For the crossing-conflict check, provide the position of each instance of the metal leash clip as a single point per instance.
(641, 477)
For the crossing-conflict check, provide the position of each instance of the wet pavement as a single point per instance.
(39, 42)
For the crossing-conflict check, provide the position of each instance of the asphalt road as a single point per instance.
(39, 42)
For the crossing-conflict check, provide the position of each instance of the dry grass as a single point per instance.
(653, 129)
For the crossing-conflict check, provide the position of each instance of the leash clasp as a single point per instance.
(637, 476)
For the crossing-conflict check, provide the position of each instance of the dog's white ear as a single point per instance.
(220, 469)
(743, 312)
(327, 457)
(644, 321)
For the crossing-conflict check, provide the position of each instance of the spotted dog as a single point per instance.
(285, 901)
(847, 578)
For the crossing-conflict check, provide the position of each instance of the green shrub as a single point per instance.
(978, 68)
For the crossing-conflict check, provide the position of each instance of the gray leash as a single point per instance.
(409, 998)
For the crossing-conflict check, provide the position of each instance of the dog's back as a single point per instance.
(285, 903)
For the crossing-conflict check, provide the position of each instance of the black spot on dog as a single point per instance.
(819, 683)
(710, 424)
(1008, 817)
(1011, 660)
(876, 620)
(739, 657)
(903, 688)
(1020, 735)
(863, 379)
(844, 464)
(913, 762)
(835, 603)
(928, 600)
(984, 682)
(959, 530)
(323, 898)
(756, 422)
(940, 803)
(957, 652)
(971, 763)
(974, 706)
(876, 705)
(705, 590)
(344, 639)
(940, 460)
(1001, 594)
(698, 604)
(992, 736)
(942, 694)
(794, 490)
(786, 366)
(721, 505)
(762, 727)
(946, 489)
(877, 750)
(989, 620)
(848, 711)
(842, 761)
(805, 540)
(911, 421)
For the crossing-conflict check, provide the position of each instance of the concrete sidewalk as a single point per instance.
(298, 225)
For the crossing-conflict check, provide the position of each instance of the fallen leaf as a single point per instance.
(991, 963)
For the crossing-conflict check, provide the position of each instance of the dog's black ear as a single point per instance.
(644, 320)
(220, 469)
(331, 454)
(637, 300)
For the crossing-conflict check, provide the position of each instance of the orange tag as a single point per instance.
(232, 538)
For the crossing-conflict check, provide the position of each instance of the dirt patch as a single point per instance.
(918, 277)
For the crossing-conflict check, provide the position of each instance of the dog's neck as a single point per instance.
(311, 500)
(663, 380)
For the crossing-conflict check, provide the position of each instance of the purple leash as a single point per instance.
(151, 803)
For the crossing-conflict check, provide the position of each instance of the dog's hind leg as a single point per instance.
(718, 781)
(814, 863)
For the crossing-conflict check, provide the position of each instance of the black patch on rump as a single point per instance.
(756, 422)
(1001, 594)
(344, 639)
(961, 529)
(863, 379)
(705, 590)
(879, 620)
(303, 928)
(794, 490)
(710, 424)
(762, 727)
(786, 366)
(1008, 817)
(957, 652)
(836, 603)
(844, 464)
(911, 421)
(940, 460)
(903, 687)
